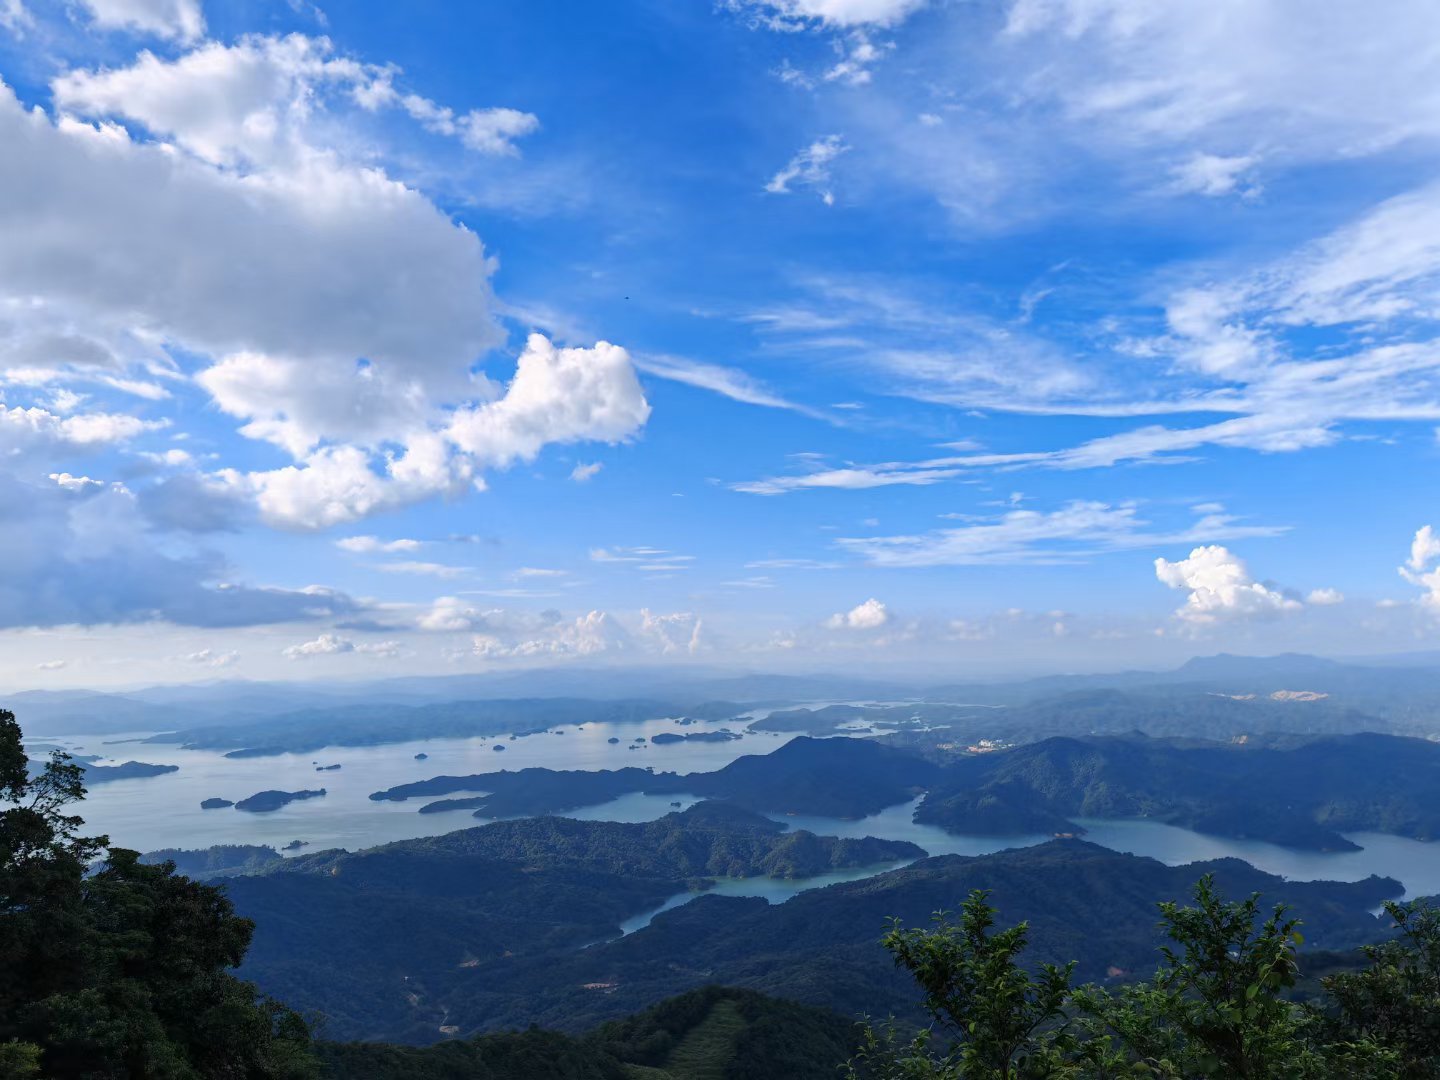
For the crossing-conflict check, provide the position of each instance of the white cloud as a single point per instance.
(842, 14)
(810, 167)
(1418, 569)
(450, 613)
(920, 343)
(181, 19)
(584, 472)
(429, 569)
(556, 396)
(383, 649)
(337, 485)
(290, 269)
(75, 483)
(592, 634)
(51, 665)
(333, 645)
(648, 559)
(678, 632)
(174, 457)
(1324, 597)
(368, 545)
(848, 479)
(256, 101)
(324, 645)
(250, 241)
(871, 615)
(858, 54)
(1424, 549)
(15, 17)
(494, 131)
(1232, 71)
(1074, 533)
(1221, 587)
(728, 382)
(211, 658)
(27, 430)
(1213, 175)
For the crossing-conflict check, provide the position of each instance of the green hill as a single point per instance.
(714, 1033)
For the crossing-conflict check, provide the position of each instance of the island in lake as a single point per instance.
(265, 801)
(130, 770)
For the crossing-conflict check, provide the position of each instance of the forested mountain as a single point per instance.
(1296, 792)
(846, 778)
(1158, 711)
(715, 1032)
(516, 922)
(371, 939)
(1082, 902)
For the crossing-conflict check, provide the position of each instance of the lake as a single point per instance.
(164, 811)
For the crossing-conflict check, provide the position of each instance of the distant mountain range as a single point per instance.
(1399, 691)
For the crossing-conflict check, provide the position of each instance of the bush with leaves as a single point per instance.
(1220, 1005)
(114, 968)
(1002, 1023)
(1395, 1002)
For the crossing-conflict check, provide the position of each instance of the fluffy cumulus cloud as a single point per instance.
(180, 19)
(86, 555)
(200, 206)
(334, 645)
(871, 615)
(1220, 587)
(34, 432)
(1422, 568)
(211, 658)
(593, 634)
(557, 396)
(677, 632)
(511, 634)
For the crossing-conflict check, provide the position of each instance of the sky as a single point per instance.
(954, 336)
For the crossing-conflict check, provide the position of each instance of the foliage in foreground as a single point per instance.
(1221, 1005)
(121, 971)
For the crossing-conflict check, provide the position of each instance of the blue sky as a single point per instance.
(930, 335)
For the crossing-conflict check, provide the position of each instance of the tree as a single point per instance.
(1216, 1007)
(1395, 1002)
(1002, 1022)
(1219, 1006)
(115, 968)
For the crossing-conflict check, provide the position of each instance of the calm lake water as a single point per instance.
(164, 811)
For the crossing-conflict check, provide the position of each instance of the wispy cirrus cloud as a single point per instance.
(1074, 533)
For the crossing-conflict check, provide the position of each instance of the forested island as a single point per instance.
(129, 770)
(1296, 792)
(264, 802)
(842, 778)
